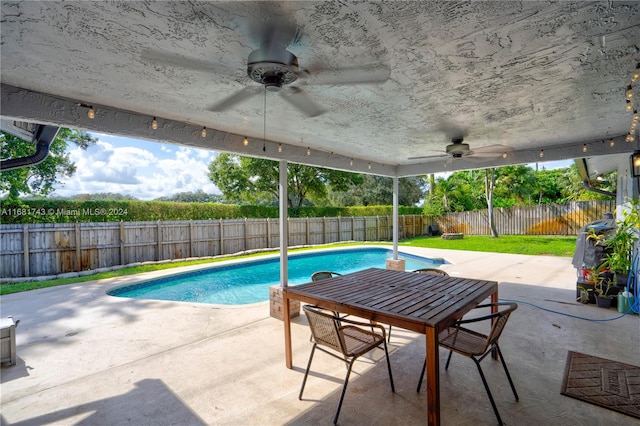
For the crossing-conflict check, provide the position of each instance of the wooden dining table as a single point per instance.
(422, 303)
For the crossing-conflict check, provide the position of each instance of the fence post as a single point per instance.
(365, 228)
(339, 228)
(78, 255)
(268, 234)
(221, 237)
(159, 256)
(308, 232)
(25, 248)
(353, 228)
(246, 235)
(324, 230)
(191, 238)
(377, 228)
(122, 243)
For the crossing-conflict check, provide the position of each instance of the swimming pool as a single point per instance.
(249, 281)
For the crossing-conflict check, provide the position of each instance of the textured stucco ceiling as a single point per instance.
(527, 75)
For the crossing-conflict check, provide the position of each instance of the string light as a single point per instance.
(369, 166)
(203, 132)
(541, 153)
(91, 113)
(504, 155)
(611, 143)
(245, 142)
(154, 124)
(279, 147)
(584, 148)
(308, 151)
(351, 162)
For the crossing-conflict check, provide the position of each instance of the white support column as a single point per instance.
(284, 225)
(395, 263)
(395, 218)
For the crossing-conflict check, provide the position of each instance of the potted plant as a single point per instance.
(603, 285)
(620, 245)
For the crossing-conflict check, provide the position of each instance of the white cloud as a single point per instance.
(130, 167)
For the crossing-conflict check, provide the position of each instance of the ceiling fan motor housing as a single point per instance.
(272, 67)
(457, 149)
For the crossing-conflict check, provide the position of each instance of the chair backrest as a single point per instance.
(325, 328)
(321, 275)
(500, 320)
(432, 271)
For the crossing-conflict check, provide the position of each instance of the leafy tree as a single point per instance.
(198, 196)
(378, 190)
(489, 189)
(38, 180)
(101, 196)
(256, 180)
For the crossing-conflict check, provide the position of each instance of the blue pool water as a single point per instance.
(249, 282)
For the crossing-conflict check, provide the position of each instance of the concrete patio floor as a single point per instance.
(88, 358)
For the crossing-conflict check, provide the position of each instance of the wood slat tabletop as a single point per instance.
(404, 299)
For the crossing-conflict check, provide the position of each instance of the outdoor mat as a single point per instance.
(603, 382)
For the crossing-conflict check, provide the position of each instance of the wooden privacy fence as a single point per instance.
(28, 250)
(542, 219)
(56, 248)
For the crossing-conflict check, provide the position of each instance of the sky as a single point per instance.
(147, 170)
(143, 169)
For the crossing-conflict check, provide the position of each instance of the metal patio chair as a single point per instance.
(477, 346)
(431, 271)
(321, 275)
(344, 339)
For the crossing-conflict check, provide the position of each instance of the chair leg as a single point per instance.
(506, 371)
(306, 373)
(486, 387)
(386, 353)
(446, 367)
(389, 335)
(424, 367)
(344, 390)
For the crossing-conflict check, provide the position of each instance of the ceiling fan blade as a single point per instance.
(424, 157)
(353, 75)
(300, 100)
(176, 60)
(490, 151)
(236, 98)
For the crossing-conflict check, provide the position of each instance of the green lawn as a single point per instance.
(517, 244)
(537, 245)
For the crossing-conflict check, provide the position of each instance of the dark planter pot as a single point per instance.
(604, 301)
(621, 280)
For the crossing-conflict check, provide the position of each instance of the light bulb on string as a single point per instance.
(308, 151)
(351, 162)
(154, 123)
(584, 148)
(504, 155)
(369, 166)
(245, 142)
(203, 132)
(541, 154)
(611, 143)
(279, 147)
(91, 113)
